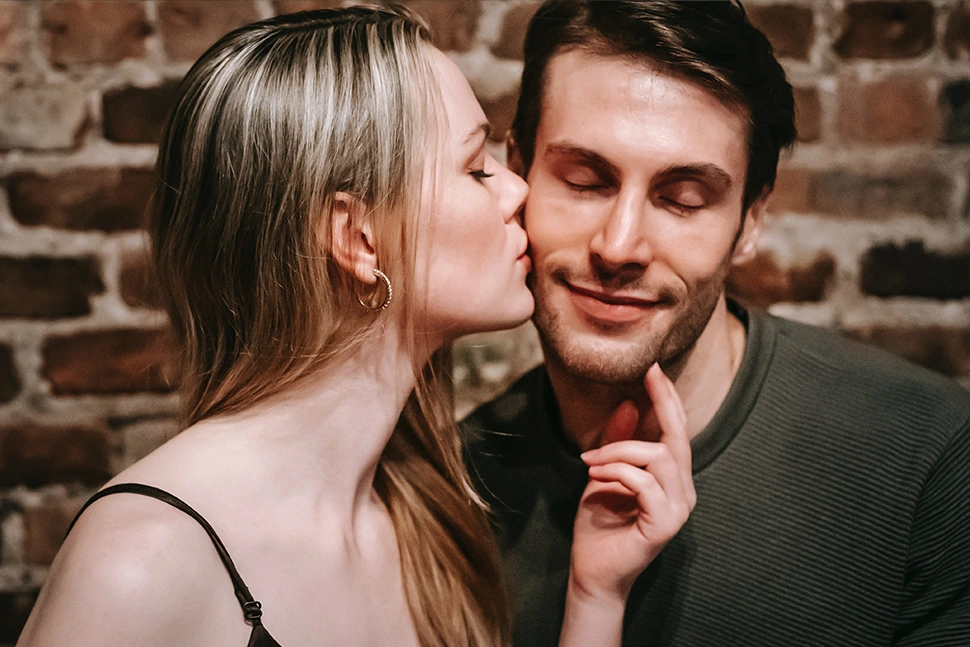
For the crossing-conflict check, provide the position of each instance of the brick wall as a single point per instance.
(869, 229)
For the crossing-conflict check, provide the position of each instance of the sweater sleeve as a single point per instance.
(935, 609)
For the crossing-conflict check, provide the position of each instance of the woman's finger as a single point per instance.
(654, 457)
(673, 423)
(650, 496)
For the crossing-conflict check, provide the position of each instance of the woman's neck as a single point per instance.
(322, 439)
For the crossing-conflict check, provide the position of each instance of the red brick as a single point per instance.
(33, 455)
(910, 270)
(790, 28)
(42, 118)
(500, 113)
(942, 349)
(892, 110)
(136, 285)
(13, 32)
(189, 27)
(762, 281)
(9, 381)
(109, 199)
(111, 361)
(956, 38)
(45, 527)
(514, 26)
(955, 106)
(792, 191)
(885, 30)
(48, 287)
(94, 31)
(14, 609)
(848, 193)
(808, 114)
(292, 6)
(137, 115)
(453, 23)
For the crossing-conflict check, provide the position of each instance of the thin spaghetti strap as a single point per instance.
(251, 608)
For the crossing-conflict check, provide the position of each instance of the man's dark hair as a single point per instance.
(711, 44)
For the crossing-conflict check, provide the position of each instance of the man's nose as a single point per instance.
(621, 242)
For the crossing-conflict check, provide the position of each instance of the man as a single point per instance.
(833, 481)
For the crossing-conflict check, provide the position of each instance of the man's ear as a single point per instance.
(754, 220)
(513, 158)
(351, 239)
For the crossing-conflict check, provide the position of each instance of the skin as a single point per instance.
(634, 217)
(289, 482)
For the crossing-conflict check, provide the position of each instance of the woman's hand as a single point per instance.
(639, 495)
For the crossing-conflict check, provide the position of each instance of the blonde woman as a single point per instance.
(327, 222)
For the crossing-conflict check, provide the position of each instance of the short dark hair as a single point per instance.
(711, 44)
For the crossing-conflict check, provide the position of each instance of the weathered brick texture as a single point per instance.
(9, 380)
(42, 118)
(136, 115)
(886, 30)
(13, 32)
(955, 105)
(911, 270)
(453, 24)
(292, 6)
(48, 287)
(763, 281)
(14, 609)
(956, 38)
(789, 27)
(189, 28)
(808, 114)
(109, 199)
(36, 455)
(110, 361)
(94, 31)
(45, 526)
(889, 111)
(514, 25)
(137, 287)
(850, 193)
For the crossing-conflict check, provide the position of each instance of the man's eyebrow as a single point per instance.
(708, 172)
(482, 128)
(583, 154)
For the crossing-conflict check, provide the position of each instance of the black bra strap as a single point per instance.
(251, 608)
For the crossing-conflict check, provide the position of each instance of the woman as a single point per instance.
(327, 221)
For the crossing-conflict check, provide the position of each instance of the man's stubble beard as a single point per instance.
(603, 363)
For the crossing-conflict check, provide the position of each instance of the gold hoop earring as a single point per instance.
(387, 299)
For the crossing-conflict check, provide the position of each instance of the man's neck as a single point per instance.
(703, 376)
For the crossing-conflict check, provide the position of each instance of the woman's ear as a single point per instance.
(351, 239)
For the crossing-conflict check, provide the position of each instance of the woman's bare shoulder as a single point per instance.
(132, 571)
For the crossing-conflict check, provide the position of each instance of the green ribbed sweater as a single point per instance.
(833, 504)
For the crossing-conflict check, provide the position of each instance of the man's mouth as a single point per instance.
(612, 307)
(615, 298)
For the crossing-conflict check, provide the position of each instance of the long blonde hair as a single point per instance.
(270, 123)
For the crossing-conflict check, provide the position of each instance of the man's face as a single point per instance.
(634, 214)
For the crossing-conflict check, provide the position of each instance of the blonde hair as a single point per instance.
(270, 123)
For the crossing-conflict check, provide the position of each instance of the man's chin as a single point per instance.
(605, 361)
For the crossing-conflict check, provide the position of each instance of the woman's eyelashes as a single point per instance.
(481, 174)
